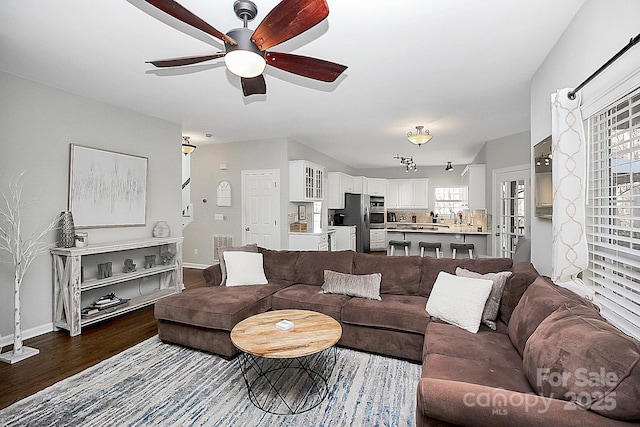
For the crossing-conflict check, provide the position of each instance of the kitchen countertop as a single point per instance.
(434, 229)
(311, 233)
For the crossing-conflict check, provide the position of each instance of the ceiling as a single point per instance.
(461, 68)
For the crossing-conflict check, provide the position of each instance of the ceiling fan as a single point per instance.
(245, 50)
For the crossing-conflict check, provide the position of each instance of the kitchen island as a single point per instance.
(437, 233)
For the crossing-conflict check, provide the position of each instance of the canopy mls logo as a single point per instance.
(582, 389)
(593, 387)
(499, 400)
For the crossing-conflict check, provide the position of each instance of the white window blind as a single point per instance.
(613, 230)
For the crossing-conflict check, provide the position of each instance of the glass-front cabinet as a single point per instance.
(306, 181)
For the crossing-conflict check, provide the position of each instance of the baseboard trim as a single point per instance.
(193, 265)
(29, 333)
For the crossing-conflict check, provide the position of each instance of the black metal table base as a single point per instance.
(287, 386)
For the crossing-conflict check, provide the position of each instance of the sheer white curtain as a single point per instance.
(569, 251)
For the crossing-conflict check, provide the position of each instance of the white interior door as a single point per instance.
(261, 208)
(510, 208)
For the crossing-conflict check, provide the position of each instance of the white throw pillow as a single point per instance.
(252, 247)
(244, 268)
(459, 300)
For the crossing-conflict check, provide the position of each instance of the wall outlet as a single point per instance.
(195, 252)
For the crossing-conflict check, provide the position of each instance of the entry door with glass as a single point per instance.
(511, 211)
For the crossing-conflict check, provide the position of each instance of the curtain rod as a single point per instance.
(632, 42)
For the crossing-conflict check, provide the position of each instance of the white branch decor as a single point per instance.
(22, 251)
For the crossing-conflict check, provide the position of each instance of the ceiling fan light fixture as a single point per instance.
(244, 59)
(449, 167)
(187, 147)
(419, 137)
(244, 63)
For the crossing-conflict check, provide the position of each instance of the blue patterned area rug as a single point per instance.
(167, 385)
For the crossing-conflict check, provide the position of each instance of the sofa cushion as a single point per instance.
(487, 346)
(353, 285)
(212, 275)
(492, 306)
(539, 300)
(577, 355)
(246, 248)
(397, 312)
(432, 266)
(400, 275)
(310, 265)
(279, 265)
(217, 307)
(480, 372)
(309, 297)
(459, 300)
(523, 275)
(244, 268)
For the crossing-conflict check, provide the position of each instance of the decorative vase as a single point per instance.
(66, 231)
(161, 229)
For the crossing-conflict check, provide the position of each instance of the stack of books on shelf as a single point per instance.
(104, 304)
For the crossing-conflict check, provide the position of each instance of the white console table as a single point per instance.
(69, 285)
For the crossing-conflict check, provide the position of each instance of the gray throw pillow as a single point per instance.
(354, 285)
(523, 250)
(252, 247)
(491, 307)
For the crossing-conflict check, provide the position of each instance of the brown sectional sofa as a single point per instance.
(467, 379)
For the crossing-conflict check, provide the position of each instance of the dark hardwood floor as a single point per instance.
(62, 356)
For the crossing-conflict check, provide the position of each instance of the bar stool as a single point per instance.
(401, 243)
(429, 246)
(463, 247)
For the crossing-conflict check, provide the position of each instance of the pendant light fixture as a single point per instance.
(419, 137)
(187, 147)
(449, 167)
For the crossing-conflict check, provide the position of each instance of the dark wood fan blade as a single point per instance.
(185, 60)
(288, 19)
(312, 68)
(253, 85)
(178, 11)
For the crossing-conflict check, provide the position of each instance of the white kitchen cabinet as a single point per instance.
(338, 184)
(405, 194)
(345, 238)
(309, 242)
(421, 193)
(473, 177)
(391, 199)
(408, 194)
(306, 181)
(360, 185)
(376, 186)
(352, 239)
(378, 240)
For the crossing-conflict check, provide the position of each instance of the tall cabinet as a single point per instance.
(71, 282)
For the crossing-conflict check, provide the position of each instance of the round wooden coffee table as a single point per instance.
(286, 372)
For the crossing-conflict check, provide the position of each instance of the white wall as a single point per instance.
(37, 125)
(205, 177)
(238, 156)
(598, 31)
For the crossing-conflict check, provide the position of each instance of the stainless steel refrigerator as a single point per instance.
(356, 212)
